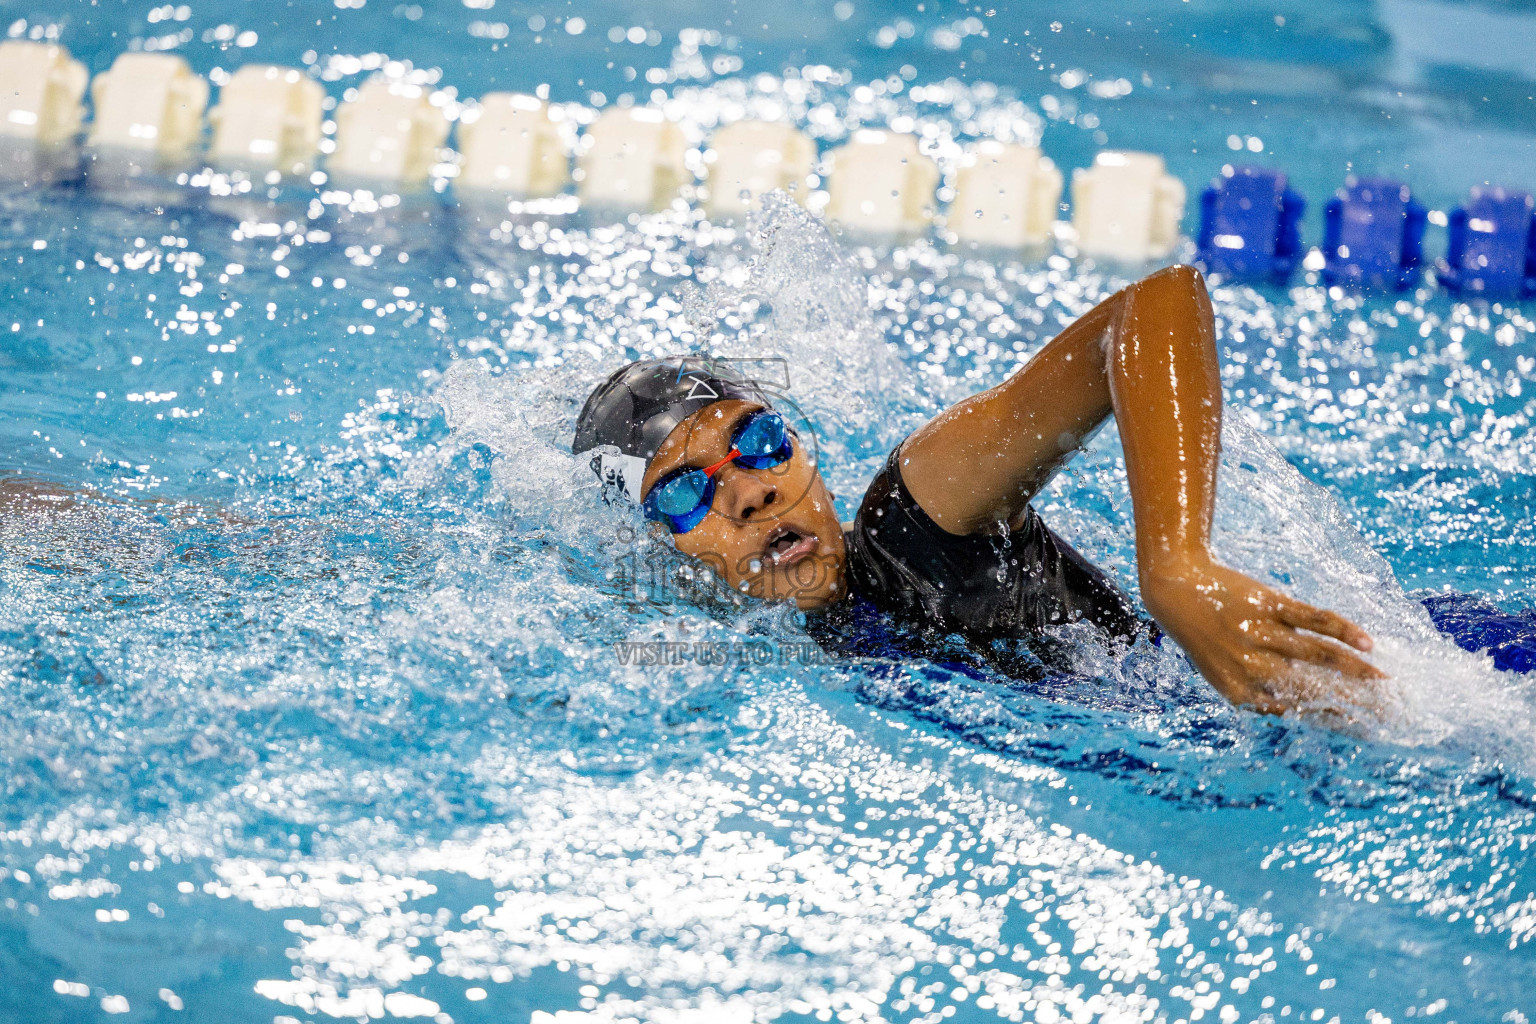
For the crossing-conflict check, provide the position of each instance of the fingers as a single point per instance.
(1319, 620)
(1315, 651)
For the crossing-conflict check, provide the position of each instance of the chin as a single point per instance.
(826, 587)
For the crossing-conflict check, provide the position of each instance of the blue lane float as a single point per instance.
(1492, 247)
(1249, 225)
(1373, 235)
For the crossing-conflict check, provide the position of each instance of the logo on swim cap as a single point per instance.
(619, 472)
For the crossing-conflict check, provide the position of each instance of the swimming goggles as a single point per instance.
(682, 498)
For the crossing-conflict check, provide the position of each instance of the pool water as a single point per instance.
(318, 693)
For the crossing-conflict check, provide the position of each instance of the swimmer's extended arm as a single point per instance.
(33, 507)
(22, 495)
(1147, 355)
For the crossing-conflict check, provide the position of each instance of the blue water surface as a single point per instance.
(318, 689)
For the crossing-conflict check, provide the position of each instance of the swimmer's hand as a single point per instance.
(1252, 642)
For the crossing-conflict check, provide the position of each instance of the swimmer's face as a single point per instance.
(772, 533)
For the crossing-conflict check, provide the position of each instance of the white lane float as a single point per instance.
(41, 86)
(390, 132)
(151, 103)
(1006, 195)
(882, 183)
(632, 159)
(1127, 207)
(268, 118)
(749, 158)
(509, 143)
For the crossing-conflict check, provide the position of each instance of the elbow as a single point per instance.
(1180, 276)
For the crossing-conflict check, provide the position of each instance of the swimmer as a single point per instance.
(719, 470)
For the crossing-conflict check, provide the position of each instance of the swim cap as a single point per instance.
(639, 405)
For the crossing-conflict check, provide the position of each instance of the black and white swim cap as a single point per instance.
(639, 405)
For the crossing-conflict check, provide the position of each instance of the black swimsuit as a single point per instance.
(983, 588)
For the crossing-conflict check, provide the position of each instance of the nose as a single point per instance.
(744, 494)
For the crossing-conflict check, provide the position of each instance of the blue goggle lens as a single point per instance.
(763, 434)
(682, 494)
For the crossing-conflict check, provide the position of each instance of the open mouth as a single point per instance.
(786, 546)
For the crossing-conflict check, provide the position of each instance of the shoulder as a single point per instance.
(897, 555)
